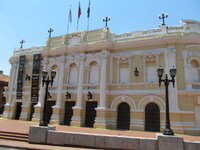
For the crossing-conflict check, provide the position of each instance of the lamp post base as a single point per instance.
(43, 123)
(168, 131)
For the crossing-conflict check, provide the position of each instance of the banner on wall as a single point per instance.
(20, 77)
(35, 78)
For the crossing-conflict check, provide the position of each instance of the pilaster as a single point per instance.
(170, 60)
(24, 113)
(100, 120)
(104, 58)
(38, 108)
(197, 113)
(80, 81)
(77, 119)
(8, 106)
(57, 109)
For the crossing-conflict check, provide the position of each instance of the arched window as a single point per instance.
(73, 74)
(195, 70)
(93, 73)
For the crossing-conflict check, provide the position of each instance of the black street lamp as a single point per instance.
(43, 122)
(166, 81)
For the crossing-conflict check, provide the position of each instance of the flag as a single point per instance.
(79, 10)
(88, 11)
(70, 15)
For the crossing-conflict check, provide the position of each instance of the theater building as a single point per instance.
(108, 80)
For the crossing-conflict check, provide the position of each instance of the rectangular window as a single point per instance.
(73, 76)
(123, 78)
(94, 75)
(195, 74)
(151, 74)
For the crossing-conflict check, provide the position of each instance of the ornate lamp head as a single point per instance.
(172, 72)
(160, 72)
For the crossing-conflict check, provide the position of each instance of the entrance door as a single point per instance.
(68, 112)
(152, 117)
(18, 110)
(90, 114)
(49, 110)
(123, 116)
(32, 110)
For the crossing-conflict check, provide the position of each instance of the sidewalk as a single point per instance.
(23, 127)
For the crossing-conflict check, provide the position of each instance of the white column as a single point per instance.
(111, 69)
(104, 57)
(11, 83)
(118, 69)
(144, 62)
(60, 81)
(197, 113)
(80, 82)
(68, 74)
(42, 88)
(88, 74)
(170, 60)
(129, 69)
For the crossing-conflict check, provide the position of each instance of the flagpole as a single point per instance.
(69, 19)
(77, 23)
(68, 26)
(88, 24)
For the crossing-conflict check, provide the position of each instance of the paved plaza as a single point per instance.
(23, 127)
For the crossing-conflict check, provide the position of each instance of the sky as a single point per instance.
(31, 19)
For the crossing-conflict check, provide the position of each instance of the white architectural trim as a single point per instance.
(194, 58)
(91, 59)
(125, 99)
(149, 99)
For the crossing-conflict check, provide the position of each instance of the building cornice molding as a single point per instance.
(117, 45)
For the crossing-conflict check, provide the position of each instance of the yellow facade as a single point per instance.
(103, 63)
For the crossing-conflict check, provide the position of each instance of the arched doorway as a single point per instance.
(123, 116)
(152, 117)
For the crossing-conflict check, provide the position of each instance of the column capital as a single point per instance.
(45, 61)
(81, 58)
(171, 50)
(104, 55)
(61, 59)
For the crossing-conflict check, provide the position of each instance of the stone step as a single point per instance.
(13, 139)
(18, 133)
(14, 136)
